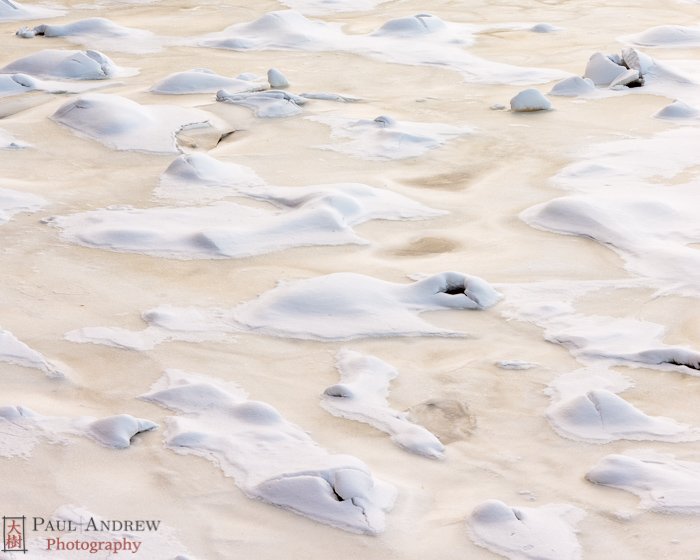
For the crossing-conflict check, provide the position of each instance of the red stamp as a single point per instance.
(13, 534)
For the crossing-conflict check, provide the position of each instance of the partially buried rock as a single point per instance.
(602, 70)
(678, 110)
(530, 100)
(573, 87)
(616, 71)
(277, 79)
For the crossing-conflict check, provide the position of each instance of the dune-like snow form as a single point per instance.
(634, 165)
(339, 306)
(330, 96)
(523, 533)
(516, 365)
(22, 429)
(66, 65)
(16, 84)
(386, 138)
(270, 458)
(98, 33)
(14, 351)
(276, 79)
(362, 395)
(15, 202)
(313, 215)
(662, 483)
(10, 200)
(122, 124)
(14, 11)
(345, 306)
(574, 86)
(530, 100)
(592, 338)
(265, 104)
(422, 39)
(630, 72)
(198, 176)
(678, 110)
(665, 36)
(159, 541)
(203, 80)
(586, 407)
(652, 233)
(222, 230)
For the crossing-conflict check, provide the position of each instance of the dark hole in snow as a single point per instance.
(337, 496)
(688, 364)
(455, 289)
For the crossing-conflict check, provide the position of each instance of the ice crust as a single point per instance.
(662, 482)
(340, 306)
(422, 39)
(362, 395)
(122, 124)
(586, 407)
(270, 458)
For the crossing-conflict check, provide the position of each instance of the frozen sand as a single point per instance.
(504, 448)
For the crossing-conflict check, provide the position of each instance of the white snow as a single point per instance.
(22, 429)
(422, 39)
(526, 533)
(304, 216)
(385, 138)
(320, 7)
(265, 104)
(276, 79)
(678, 110)
(15, 202)
(586, 407)
(99, 33)
(122, 124)
(339, 306)
(270, 458)
(67, 65)
(162, 543)
(344, 305)
(601, 70)
(15, 11)
(11, 200)
(666, 36)
(650, 230)
(662, 483)
(14, 351)
(362, 395)
(595, 338)
(203, 80)
(530, 100)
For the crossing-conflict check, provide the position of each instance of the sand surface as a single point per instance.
(578, 224)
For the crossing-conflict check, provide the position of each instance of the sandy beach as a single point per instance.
(228, 240)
